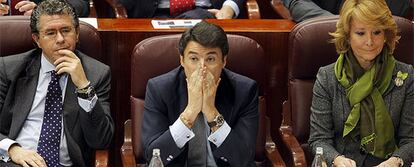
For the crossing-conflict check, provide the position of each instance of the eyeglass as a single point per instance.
(52, 33)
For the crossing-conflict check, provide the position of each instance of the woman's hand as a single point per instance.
(392, 162)
(342, 161)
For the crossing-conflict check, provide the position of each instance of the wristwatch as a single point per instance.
(217, 121)
(86, 93)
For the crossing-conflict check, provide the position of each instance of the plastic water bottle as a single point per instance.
(319, 161)
(156, 159)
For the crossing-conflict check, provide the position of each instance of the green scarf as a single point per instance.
(364, 90)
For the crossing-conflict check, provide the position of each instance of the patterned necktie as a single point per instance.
(197, 146)
(13, 10)
(180, 6)
(49, 140)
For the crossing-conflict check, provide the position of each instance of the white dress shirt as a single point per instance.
(204, 3)
(182, 134)
(29, 135)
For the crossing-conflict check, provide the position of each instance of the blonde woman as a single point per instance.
(362, 106)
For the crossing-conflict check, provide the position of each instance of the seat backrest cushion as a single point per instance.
(16, 37)
(158, 55)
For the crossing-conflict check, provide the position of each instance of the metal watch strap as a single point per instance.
(217, 121)
(86, 93)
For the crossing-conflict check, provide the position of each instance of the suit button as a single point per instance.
(169, 158)
(224, 159)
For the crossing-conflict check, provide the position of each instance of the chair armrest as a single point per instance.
(293, 146)
(127, 152)
(274, 156)
(118, 8)
(272, 153)
(252, 8)
(280, 9)
(101, 158)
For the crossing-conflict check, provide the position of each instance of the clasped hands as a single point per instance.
(342, 161)
(202, 88)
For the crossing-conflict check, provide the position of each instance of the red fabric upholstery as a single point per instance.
(16, 37)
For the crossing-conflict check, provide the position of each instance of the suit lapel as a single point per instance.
(70, 105)
(225, 97)
(24, 95)
(182, 92)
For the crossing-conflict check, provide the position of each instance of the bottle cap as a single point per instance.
(319, 150)
(156, 151)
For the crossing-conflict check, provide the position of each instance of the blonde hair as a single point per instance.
(372, 12)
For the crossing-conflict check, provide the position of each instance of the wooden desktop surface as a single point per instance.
(120, 36)
(234, 25)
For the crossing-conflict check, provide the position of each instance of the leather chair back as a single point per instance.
(309, 49)
(16, 37)
(157, 55)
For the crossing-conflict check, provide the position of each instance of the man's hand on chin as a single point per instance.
(71, 64)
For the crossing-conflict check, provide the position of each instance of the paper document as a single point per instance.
(91, 21)
(163, 24)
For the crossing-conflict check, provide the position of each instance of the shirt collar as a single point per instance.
(45, 65)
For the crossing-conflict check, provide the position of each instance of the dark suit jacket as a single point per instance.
(81, 6)
(236, 100)
(84, 131)
(146, 8)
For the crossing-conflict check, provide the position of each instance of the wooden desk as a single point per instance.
(121, 35)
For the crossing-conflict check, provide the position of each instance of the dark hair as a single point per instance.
(207, 35)
(52, 7)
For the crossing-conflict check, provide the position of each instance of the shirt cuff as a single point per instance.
(234, 6)
(4, 149)
(86, 104)
(180, 133)
(220, 134)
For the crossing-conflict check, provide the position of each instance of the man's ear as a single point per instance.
(77, 34)
(224, 61)
(35, 38)
(181, 60)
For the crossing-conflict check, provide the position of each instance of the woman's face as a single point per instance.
(366, 42)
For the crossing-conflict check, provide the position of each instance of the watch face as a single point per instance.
(220, 120)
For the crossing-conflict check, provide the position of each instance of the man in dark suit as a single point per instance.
(204, 9)
(25, 7)
(54, 89)
(201, 114)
